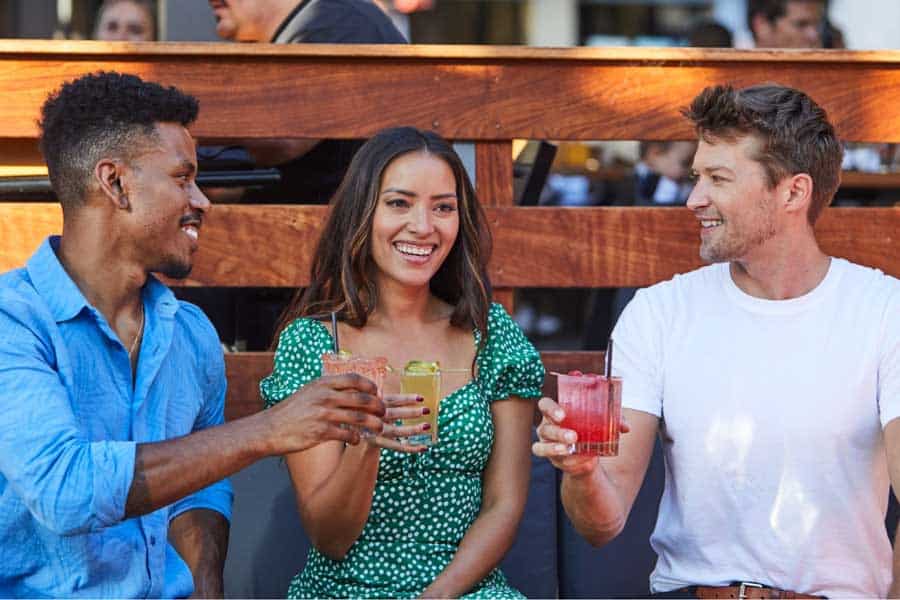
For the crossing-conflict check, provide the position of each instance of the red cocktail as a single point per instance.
(593, 406)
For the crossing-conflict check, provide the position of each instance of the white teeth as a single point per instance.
(191, 231)
(707, 223)
(415, 250)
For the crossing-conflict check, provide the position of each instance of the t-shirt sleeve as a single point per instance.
(510, 365)
(637, 354)
(889, 360)
(298, 359)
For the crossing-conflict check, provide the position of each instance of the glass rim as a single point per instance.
(588, 376)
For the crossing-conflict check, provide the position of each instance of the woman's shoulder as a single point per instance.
(504, 334)
(298, 359)
(499, 320)
(510, 364)
(304, 332)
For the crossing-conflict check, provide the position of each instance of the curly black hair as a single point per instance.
(103, 115)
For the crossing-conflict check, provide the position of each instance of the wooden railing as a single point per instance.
(487, 95)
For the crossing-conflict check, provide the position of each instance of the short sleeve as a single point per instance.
(298, 359)
(637, 354)
(509, 365)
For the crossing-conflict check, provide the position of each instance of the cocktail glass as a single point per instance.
(374, 369)
(593, 407)
(424, 379)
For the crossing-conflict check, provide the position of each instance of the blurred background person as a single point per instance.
(710, 34)
(126, 21)
(661, 178)
(833, 37)
(786, 23)
(310, 169)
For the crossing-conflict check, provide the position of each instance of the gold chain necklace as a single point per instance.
(138, 335)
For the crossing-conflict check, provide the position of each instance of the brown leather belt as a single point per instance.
(744, 590)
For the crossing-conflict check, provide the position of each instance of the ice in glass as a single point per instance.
(593, 406)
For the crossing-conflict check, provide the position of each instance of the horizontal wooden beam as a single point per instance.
(245, 370)
(53, 50)
(271, 245)
(609, 94)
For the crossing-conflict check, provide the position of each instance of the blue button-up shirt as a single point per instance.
(70, 420)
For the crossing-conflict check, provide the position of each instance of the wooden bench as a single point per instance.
(486, 95)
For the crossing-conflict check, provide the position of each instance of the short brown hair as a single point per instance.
(794, 131)
(772, 10)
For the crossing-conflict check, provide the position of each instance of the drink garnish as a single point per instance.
(421, 367)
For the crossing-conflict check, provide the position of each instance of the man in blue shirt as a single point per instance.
(112, 443)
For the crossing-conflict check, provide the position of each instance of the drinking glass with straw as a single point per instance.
(339, 363)
(593, 407)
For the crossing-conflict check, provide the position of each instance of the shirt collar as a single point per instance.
(65, 300)
(159, 298)
(287, 21)
(53, 284)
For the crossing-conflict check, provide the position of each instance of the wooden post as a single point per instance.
(494, 180)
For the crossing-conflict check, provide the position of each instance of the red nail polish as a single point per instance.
(426, 411)
(426, 427)
(420, 399)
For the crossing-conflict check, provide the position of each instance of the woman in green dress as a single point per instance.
(402, 261)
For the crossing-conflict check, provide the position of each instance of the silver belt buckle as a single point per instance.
(742, 590)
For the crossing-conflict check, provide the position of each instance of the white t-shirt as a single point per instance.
(771, 420)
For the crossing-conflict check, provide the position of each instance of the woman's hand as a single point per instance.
(397, 407)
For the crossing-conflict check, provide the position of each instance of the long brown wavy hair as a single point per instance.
(343, 272)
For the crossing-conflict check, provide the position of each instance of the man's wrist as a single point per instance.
(262, 434)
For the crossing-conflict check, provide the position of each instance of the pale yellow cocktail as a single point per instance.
(424, 379)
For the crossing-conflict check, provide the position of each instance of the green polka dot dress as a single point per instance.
(423, 504)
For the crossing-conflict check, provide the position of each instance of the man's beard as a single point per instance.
(741, 242)
(174, 269)
(733, 249)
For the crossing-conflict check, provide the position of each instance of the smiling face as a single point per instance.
(166, 206)
(732, 199)
(416, 219)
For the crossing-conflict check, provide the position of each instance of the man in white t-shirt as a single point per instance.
(772, 377)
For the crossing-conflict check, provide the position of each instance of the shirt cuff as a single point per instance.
(113, 472)
(217, 497)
